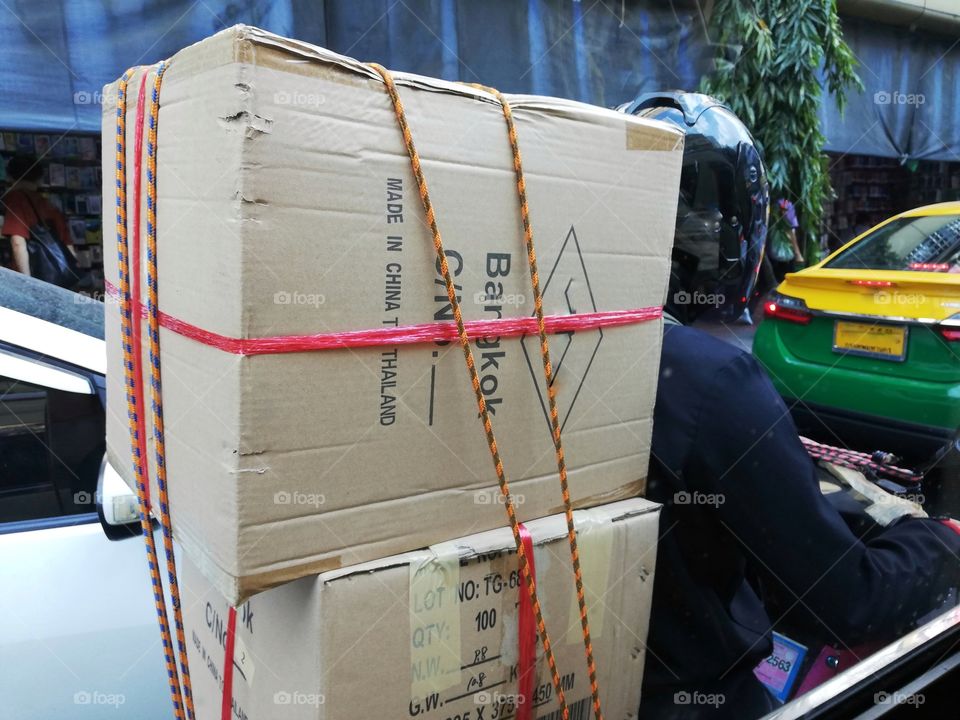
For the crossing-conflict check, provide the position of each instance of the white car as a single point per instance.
(78, 630)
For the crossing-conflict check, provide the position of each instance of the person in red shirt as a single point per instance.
(25, 207)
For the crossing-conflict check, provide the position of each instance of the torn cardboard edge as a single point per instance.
(247, 39)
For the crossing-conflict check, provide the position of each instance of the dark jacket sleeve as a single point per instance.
(746, 449)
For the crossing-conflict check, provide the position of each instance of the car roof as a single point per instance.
(51, 321)
(945, 208)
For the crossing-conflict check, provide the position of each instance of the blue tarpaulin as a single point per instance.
(911, 106)
(56, 55)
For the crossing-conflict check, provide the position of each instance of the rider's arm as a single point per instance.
(746, 449)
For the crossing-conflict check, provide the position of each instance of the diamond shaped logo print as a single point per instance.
(567, 290)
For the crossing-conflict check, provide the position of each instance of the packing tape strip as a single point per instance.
(595, 543)
(435, 621)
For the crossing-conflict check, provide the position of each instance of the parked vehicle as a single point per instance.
(79, 633)
(867, 342)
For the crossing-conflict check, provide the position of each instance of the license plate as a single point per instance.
(887, 342)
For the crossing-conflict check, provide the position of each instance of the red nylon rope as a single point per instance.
(527, 637)
(136, 306)
(226, 701)
(858, 461)
(156, 392)
(403, 335)
(134, 387)
(552, 399)
(431, 220)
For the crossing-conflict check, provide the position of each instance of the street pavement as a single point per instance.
(735, 333)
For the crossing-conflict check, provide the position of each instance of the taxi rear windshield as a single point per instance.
(930, 244)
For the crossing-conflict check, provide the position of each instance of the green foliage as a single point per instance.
(772, 56)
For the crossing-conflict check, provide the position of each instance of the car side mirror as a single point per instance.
(117, 505)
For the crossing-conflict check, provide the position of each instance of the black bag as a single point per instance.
(50, 260)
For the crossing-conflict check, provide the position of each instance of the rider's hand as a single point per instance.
(885, 508)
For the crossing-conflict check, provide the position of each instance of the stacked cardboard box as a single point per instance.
(432, 634)
(287, 207)
(287, 212)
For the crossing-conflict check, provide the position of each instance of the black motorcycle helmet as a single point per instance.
(723, 208)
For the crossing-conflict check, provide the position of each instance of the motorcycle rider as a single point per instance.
(740, 493)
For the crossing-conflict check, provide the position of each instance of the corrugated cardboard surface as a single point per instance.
(361, 643)
(287, 206)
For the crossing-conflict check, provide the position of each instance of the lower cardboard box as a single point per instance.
(433, 634)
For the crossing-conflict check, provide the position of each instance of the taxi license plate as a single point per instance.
(887, 342)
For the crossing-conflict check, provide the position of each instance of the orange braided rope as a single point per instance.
(552, 396)
(156, 387)
(136, 423)
(475, 380)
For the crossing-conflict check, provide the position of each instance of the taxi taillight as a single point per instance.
(951, 332)
(786, 307)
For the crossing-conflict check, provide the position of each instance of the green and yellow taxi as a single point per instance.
(865, 345)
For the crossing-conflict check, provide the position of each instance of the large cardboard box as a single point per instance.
(287, 207)
(433, 634)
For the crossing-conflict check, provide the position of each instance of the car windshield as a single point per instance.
(929, 243)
